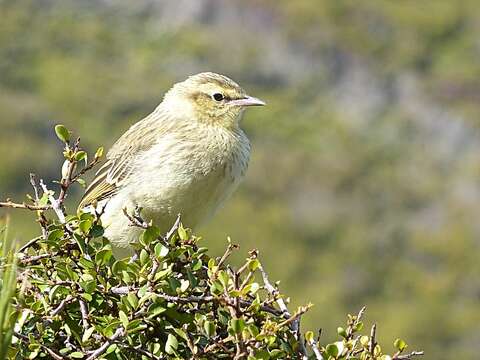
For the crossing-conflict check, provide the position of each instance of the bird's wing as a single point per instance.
(121, 158)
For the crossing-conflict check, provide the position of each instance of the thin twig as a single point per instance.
(30, 243)
(56, 206)
(62, 304)
(295, 324)
(29, 259)
(292, 319)
(230, 248)
(42, 220)
(316, 350)
(408, 356)
(66, 180)
(135, 219)
(173, 228)
(97, 353)
(274, 292)
(94, 162)
(11, 204)
(373, 342)
(83, 310)
(190, 343)
(36, 190)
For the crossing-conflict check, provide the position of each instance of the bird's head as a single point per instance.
(210, 98)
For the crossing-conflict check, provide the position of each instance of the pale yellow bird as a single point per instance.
(186, 157)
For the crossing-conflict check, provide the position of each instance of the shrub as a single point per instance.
(171, 300)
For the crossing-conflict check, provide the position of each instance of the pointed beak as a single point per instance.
(248, 101)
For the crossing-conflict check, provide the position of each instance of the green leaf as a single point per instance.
(77, 355)
(181, 333)
(196, 264)
(55, 235)
(144, 257)
(86, 264)
(309, 336)
(81, 243)
(62, 133)
(103, 256)
(155, 310)
(80, 155)
(123, 318)
(111, 349)
(96, 231)
(184, 284)
(99, 152)
(332, 350)
(253, 264)
(149, 235)
(182, 233)
(87, 334)
(341, 331)
(89, 286)
(237, 325)
(81, 182)
(400, 344)
(174, 283)
(223, 277)
(85, 226)
(132, 300)
(358, 326)
(171, 345)
(161, 250)
(262, 355)
(209, 327)
(119, 266)
(364, 340)
(251, 288)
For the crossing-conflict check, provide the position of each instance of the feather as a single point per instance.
(121, 157)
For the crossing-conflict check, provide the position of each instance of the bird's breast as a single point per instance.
(192, 175)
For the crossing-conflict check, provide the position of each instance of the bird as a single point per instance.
(187, 157)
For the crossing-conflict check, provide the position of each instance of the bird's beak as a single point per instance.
(248, 101)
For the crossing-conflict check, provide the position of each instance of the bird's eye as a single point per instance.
(218, 96)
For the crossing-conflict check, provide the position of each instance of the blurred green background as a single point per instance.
(364, 182)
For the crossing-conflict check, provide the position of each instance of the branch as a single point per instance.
(316, 349)
(56, 205)
(292, 319)
(83, 310)
(136, 219)
(94, 162)
(62, 304)
(66, 180)
(42, 220)
(29, 259)
(10, 204)
(230, 248)
(295, 321)
(373, 342)
(408, 356)
(95, 354)
(174, 228)
(30, 243)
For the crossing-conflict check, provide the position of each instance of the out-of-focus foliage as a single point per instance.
(367, 151)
